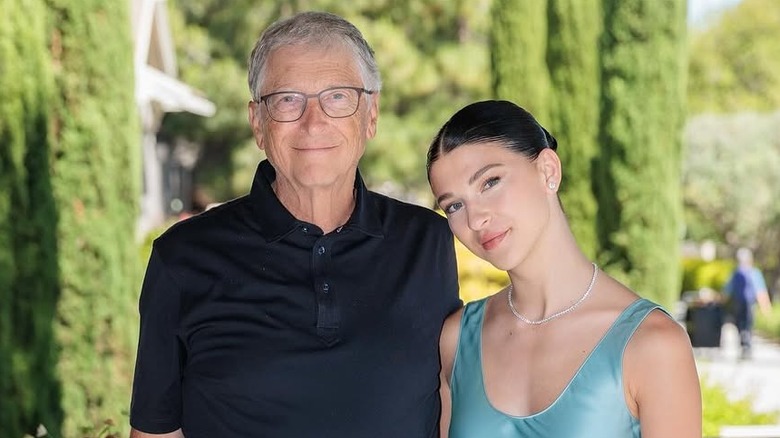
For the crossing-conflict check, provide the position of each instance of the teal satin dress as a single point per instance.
(591, 406)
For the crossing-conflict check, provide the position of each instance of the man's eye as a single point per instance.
(288, 98)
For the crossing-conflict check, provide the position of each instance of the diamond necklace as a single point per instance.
(557, 314)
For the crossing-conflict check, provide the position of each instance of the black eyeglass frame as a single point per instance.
(360, 91)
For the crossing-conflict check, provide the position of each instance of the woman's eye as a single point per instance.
(452, 208)
(490, 182)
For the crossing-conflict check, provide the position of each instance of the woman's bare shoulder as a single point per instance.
(451, 326)
(659, 351)
(448, 342)
(661, 378)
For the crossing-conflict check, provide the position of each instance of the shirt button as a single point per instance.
(325, 287)
(321, 250)
(305, 229)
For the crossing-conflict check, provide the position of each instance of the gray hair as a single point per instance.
(315, 29)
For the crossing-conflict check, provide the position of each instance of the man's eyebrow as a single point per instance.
(472, 179)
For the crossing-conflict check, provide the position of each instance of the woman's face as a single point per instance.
(497, 201)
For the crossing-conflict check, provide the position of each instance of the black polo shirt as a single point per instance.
(255, 324)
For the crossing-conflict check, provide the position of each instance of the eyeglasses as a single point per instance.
(336, 102)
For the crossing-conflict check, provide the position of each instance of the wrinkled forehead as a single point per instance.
(323, 44)
(316, 60)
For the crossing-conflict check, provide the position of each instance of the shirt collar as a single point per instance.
(276, 222)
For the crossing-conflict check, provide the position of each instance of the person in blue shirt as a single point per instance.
(565, 350)
(745, 288)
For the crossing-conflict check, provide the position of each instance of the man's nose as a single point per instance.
(313, 111)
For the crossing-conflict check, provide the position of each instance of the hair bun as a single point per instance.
(552, 143)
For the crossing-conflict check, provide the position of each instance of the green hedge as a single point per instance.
(719, 411)
(517, 56)
(573, 61)
(96, 181)
(29, 389)
(769, 325)
(69, 190)
(643, 59)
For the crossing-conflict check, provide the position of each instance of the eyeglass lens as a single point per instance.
(335, 102)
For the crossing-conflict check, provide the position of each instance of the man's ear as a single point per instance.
(373, 115)
(549, 166)
(256, 123)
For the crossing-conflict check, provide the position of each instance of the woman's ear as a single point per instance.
(549, 166)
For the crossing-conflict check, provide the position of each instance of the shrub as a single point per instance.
(719, 411)
(698, 273)
(769, 325)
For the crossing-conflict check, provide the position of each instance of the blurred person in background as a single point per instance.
(745, 288)
(311, 306)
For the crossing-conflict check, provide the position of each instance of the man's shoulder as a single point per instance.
(758, 277)
(203, 226)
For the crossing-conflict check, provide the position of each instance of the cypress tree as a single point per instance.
(518, 48)
(95, 176)
(572, 56)
(643, 91)
(29, 390)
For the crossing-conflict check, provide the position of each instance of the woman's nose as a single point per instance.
(478, 218)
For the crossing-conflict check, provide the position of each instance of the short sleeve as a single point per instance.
(156, 399)
(758, 280)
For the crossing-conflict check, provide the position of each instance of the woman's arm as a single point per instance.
(448, 345)
(661, 379)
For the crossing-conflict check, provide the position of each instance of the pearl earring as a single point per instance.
(551, 185)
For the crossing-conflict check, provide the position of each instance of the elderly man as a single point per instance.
(311, 306)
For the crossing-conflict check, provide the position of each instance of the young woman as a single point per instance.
(564, 350)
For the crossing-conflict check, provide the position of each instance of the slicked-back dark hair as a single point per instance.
(496, 121)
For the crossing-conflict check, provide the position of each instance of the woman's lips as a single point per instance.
(490, 241)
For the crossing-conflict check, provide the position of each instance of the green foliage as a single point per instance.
(718, 411)
(698, 274)
(639, 218)
(734, 61)
(204, 62)
(769, 325)
(95, 183)
(572, 56)
(731, 177)
(518, 42)
(29, 391)
(731, 163)
(104, 429)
